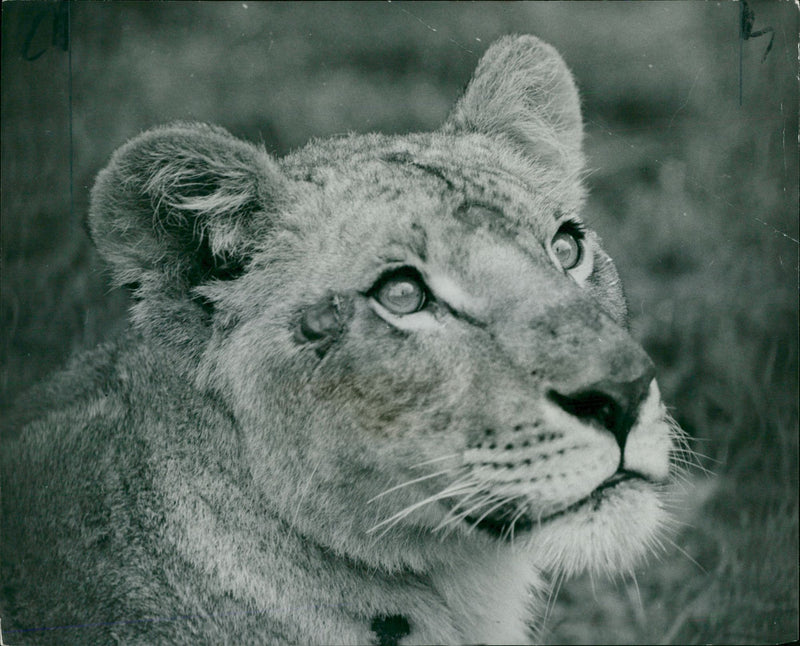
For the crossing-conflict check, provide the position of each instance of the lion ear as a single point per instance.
(180, 205)
(523, 91)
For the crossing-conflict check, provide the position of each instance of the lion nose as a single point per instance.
(613, 405)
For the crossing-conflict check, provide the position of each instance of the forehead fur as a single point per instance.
(466, 168)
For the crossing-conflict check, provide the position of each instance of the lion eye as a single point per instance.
(401, 292)
(567, 248)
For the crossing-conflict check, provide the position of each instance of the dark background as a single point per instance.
(694, 194)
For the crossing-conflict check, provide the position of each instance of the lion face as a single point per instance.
(423, 345)
(460, 368)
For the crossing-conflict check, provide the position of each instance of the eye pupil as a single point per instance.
(567, 249)
(401, 295)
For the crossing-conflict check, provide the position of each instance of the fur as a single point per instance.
(274, 454)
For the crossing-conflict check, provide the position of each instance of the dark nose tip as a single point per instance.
(613, 405)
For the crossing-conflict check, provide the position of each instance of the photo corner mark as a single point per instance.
(747, 19)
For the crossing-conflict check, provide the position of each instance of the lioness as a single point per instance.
(378, 391)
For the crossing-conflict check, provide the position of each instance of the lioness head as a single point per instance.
(422, 344)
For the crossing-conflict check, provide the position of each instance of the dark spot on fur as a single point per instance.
(548, 437)
(389, 629)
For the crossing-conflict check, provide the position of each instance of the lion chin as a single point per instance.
(611, 532)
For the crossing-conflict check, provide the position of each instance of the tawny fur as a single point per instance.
(272, 455)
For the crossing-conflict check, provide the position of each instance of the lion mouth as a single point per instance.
(509, 518)
(501, 521)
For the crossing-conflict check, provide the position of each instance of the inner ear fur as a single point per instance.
(182, 204)
(523, 91)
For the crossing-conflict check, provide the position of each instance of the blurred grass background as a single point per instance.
(695, 195)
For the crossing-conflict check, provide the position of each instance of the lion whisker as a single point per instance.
(449, 492)
(409, 483)
(685, 465)
(452, 517)
(683, 447)
(684, 552)
(509, 533)
(431, 461)
(502, 500)
(680, 476)
(551, 598)
(484, 499)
